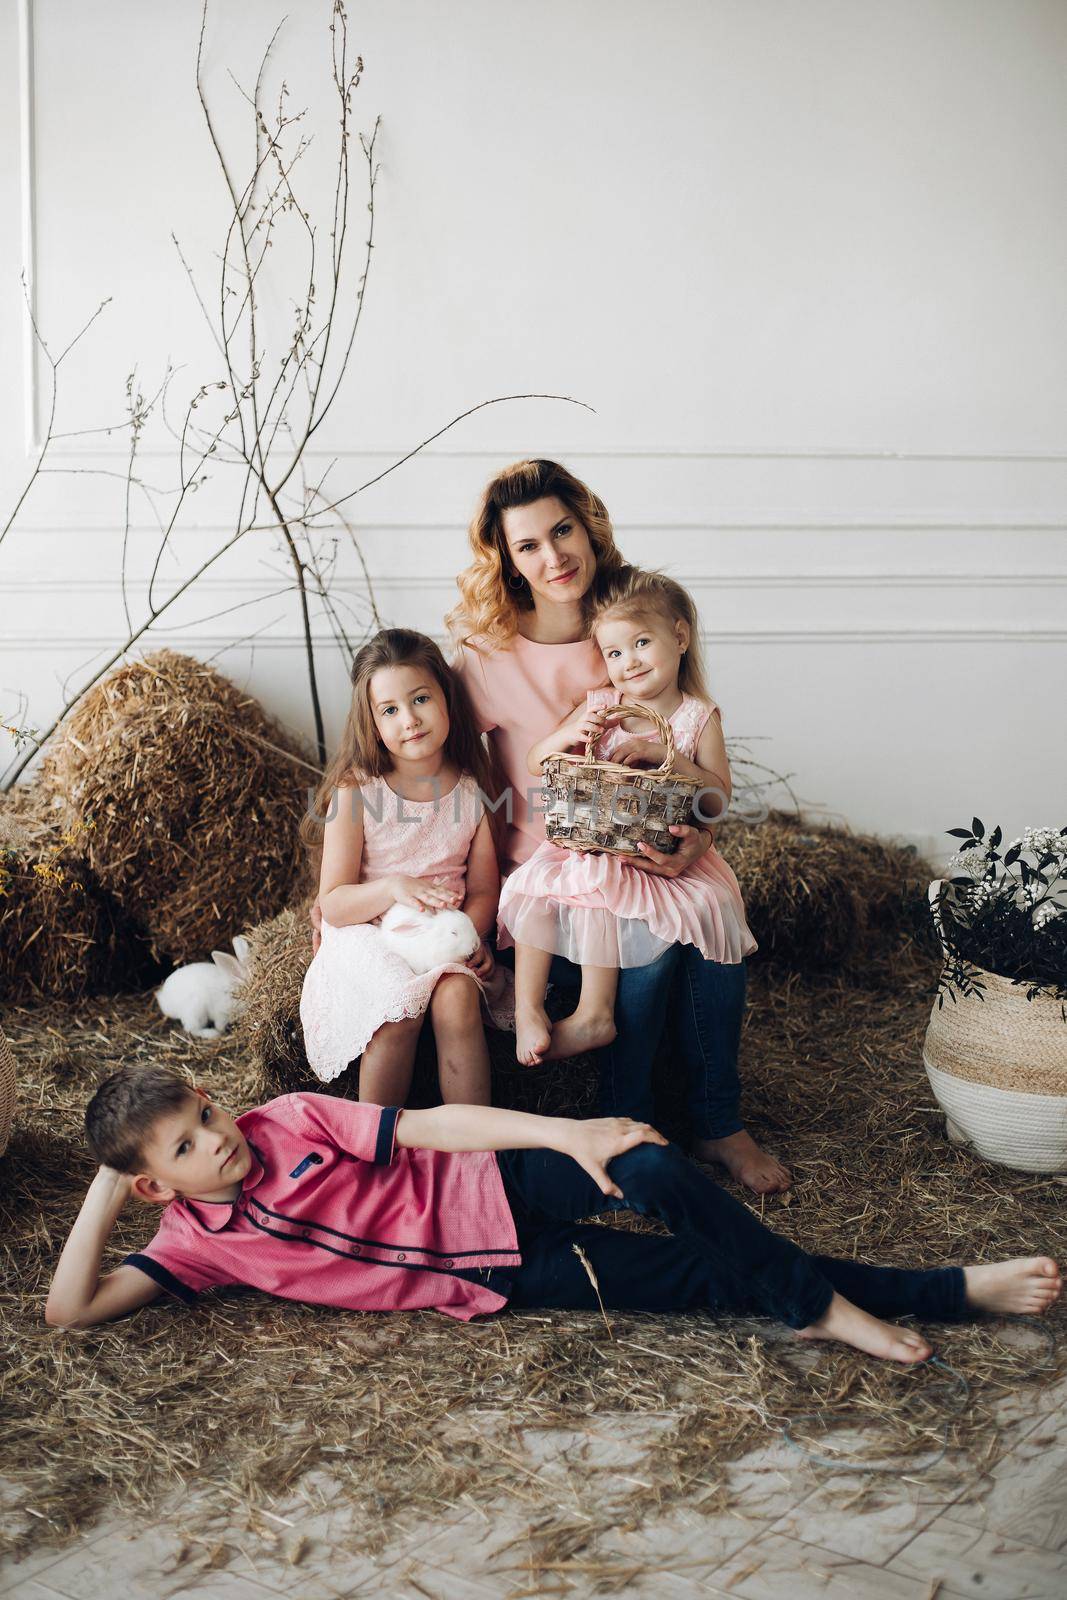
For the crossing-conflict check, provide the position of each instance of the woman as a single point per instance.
(543, 547)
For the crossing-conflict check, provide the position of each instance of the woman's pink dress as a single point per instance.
(598, 910)
(520, 692)
(355, 983)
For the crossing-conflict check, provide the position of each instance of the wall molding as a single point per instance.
(224, 643)
(392, 584)
(636, 452)
(28, 222)
(912, 523)
(728, 451)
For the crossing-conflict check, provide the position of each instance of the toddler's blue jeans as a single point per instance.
(721, 1257)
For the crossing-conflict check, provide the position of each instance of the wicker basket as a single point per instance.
(7, 1090)
(998, 1069)
(603, 806)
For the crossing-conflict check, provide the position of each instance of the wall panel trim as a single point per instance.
(195, 643)
(28, 203)
(391, 584)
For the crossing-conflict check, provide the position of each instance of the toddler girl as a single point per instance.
(405, 825)
(599, 910)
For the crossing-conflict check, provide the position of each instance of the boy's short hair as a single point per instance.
(120, 1116)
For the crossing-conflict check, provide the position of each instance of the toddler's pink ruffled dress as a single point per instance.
(355, 983)
(598, 910)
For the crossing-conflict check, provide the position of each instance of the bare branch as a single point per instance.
(372, 172)
(238, 605)
(498, 400)
(54, 366)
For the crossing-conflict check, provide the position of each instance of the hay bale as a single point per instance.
(268, 1035)
(819, 898)
(194, 796)
(267, 1031)
(61, 933)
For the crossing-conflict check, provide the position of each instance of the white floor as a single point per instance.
(792, 1532)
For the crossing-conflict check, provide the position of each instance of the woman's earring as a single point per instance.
(516, 581)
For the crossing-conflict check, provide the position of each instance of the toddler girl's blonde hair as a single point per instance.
(633, 592)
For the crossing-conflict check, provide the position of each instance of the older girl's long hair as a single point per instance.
(493, 595)
(361, 755)
(633, 592)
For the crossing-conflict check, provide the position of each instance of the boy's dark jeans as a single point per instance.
(721, 1258)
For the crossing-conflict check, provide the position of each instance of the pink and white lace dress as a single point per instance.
(598, 910)
(355, 983)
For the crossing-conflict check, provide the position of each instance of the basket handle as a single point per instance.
(933, 894)
(663, 728)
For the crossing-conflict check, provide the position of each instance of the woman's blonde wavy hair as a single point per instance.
(361, 755)
(488, 610)
(634, 592)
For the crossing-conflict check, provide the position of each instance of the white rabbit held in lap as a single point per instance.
(428, 939)
(200, 996)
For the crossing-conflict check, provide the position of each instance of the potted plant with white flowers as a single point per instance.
(996, 1046)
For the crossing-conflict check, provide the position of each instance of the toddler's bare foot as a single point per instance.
(582, 1030)
(847, 1324)
(1024, 1287)
(746, 1162)
(533, 1034)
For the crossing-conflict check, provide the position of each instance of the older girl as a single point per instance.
(544, 553)
(405, 825)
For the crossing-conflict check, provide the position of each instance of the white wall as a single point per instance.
(807, 262)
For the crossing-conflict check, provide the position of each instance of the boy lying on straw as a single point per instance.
(468, 1209)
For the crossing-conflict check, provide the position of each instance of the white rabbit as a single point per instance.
(200, 995)
(428, 939)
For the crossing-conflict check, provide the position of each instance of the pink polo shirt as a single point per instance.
(333, 1213)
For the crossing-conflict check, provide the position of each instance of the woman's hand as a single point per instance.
(638, 752)
(481, 963)
(595, 1144)
(315, 917)
(420, 894)
(693, 843)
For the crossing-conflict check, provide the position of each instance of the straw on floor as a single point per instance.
(245, 1395)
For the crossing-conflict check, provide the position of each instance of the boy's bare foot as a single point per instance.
(533, 1034)
(582, 1030)
(847, 1324)
(1024, 1287)
(746, 1162)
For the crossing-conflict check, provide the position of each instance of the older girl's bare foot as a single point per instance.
(533, 1034)
(847, 1324)
(1024, 1287)
(746, 1162)
(582, 1030)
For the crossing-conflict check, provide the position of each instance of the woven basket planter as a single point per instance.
(998, 1069)
(604, 806)
(7, 1090)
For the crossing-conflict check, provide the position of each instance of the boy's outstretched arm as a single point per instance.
(79, 1296)
(593, 1143)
